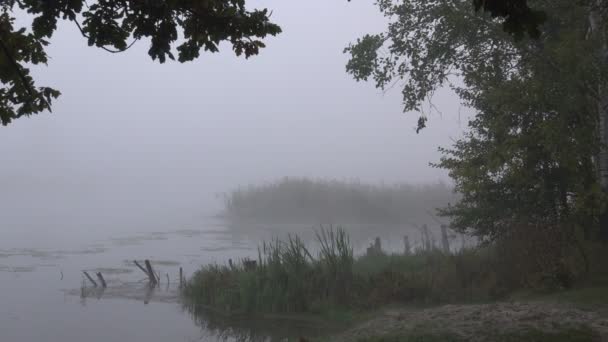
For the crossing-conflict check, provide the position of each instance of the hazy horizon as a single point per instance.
(134, 142)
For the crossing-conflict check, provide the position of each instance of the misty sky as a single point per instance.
(132, 142)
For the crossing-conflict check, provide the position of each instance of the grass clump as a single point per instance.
(288, 279)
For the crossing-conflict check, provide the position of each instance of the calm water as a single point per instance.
(41, 278)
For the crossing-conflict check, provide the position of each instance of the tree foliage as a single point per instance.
(425, 44)
(528, 156)
(519, 18)
(177, 29)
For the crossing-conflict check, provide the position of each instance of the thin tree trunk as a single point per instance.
(598, 33)
(603, 158)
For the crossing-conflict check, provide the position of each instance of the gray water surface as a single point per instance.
(41, 295)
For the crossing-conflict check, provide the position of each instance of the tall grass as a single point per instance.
(287, 279)
(302, 200)
(290, 279)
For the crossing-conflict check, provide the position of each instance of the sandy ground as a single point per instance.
(477, 322)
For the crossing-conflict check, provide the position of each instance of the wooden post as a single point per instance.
(406, 245)
(427, 236)
(444, 239)
(141, 268)
(90, 278)
(181, 277)
(103, 281)
(422, 241)
(151, 274)
(463, 242)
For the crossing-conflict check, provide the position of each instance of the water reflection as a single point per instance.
(90, 292)
(221, 327)
(214, 325)
(139, 291)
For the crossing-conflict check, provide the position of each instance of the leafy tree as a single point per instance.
(186, 25)
(529, 155)
(519, 18)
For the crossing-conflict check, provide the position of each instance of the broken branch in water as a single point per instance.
(90, 278)
(151, 273)
(141, 268)
(148, 271)
(103, 281)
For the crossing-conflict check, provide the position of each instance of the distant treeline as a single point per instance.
(302, 200)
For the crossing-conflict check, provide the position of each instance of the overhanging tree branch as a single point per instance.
(22, 77)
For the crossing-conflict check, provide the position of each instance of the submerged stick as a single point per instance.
(103, 281)
(151, 274)
(90, 278)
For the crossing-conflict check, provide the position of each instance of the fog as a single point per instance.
(132, 143)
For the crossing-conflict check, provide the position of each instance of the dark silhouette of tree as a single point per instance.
(530, 152)
(115, 25)
(519, 18)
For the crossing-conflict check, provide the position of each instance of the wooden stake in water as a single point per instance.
(151, 273)
(90, 278)
(181, 277)
(103, 281)
(141, 268)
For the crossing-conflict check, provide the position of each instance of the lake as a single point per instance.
(45, 297)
